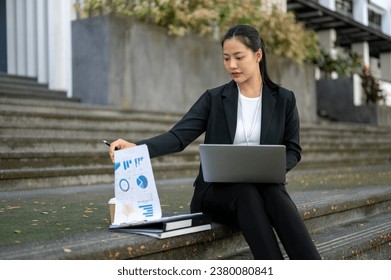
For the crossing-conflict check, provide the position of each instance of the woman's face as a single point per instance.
(240, 62)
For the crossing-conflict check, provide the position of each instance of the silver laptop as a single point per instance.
(237, 163)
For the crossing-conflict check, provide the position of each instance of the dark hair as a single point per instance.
(250, 37)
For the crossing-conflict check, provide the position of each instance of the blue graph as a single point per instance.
(138, 161)
(142, 181)
(148, 210)
(124, 185)
(127, 164)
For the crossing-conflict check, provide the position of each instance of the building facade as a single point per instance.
(358, 26)
(35, 35)
(35, 40)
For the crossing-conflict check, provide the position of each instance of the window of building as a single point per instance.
(344, 6)
(374, 19)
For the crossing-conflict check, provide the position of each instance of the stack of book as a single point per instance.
(168, 226)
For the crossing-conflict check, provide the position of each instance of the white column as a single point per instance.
(66, 38)
(31, 37)
(42, 41)
(11, 36)
(386, 22)
(39, 41)
(330, 4)
(360, 11)
(327, 40)
(357, 90)
(363, 50)
(54, 47)
(60, 15)
(385, 66)
(57, 44)
(71, 15)
(21, 41)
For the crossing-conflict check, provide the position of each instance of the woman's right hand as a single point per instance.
(118, 145)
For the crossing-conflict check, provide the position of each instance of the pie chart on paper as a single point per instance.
(142, 181)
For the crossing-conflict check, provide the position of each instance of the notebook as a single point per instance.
(237, 163)
(168, 226)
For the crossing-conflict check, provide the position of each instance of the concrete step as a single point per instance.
(42, 169)
(28, 88)
(333, 208)
(94, 172)
(43, 94)
(349, 224)
(82, 119)
(50, 108)
(51, 161)
(362, 239)
(7, 79)
(52, 125)
(63, 137)
(345, 224)
(38, 159)
(31, 178)
(319, 162)
(360, 154)
(36, 110)
(342, 129)
(22, 85)
(46, 158)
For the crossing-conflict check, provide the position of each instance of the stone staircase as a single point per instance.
(57, 141)
(26, 87)
(333, 144)
(49, 141)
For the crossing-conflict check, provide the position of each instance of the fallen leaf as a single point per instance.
(13, 207)
(67, 250)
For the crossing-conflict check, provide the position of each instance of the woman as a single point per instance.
(249, 110)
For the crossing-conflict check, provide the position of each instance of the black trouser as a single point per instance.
(257, 209)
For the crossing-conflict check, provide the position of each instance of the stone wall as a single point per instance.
(384, 116)
(133, 65)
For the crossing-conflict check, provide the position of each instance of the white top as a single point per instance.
(248, 128)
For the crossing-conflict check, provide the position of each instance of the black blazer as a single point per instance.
(215, 113)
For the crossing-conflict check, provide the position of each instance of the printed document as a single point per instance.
(135, 188)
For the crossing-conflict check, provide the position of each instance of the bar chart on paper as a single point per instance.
(148, 210)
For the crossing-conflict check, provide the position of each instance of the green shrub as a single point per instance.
(211, 18)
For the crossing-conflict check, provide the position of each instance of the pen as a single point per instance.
(106, 142)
